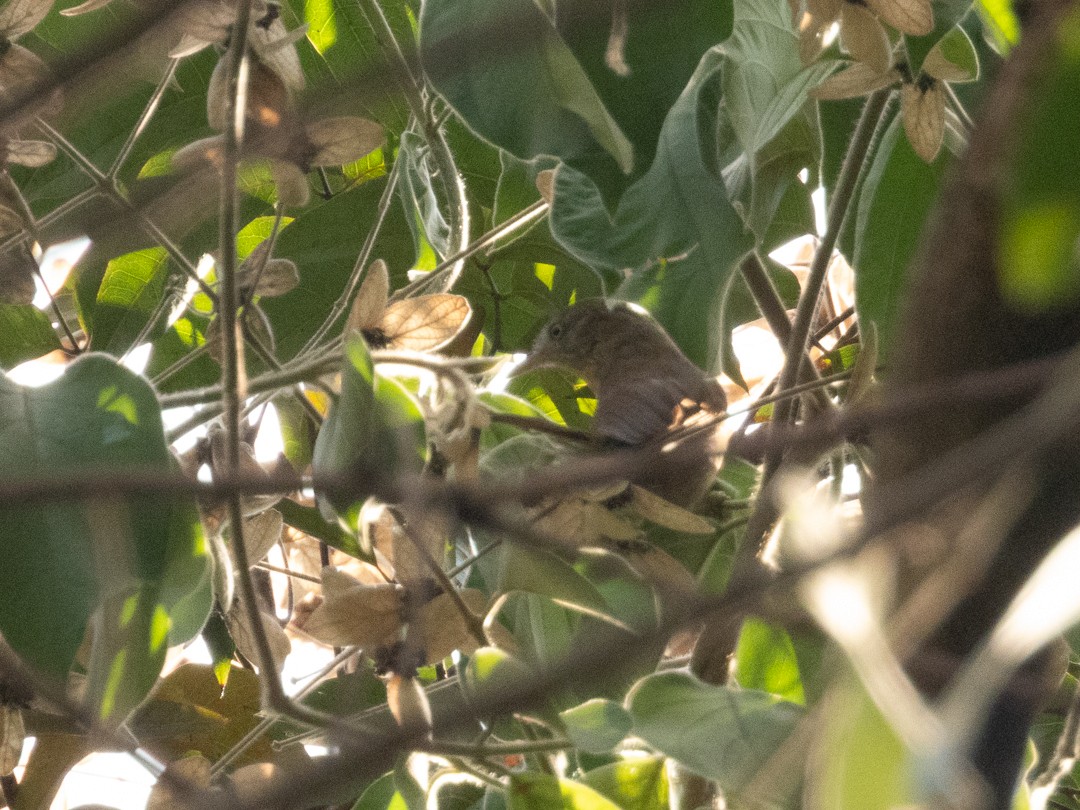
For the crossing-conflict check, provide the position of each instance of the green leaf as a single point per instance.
(765, 660)
(896, 198)
(369, 423)
(417, 192)
(382, 794)
(539, 791)
(533, 99)
(633, 784)
(1000, 23)
(541, 572)
(675, 228)
(720, 733)
(1040, 220)
(308, 520)
(597, 725)
(25, 333)
(109, 555)
(130, 291)
(664, 44)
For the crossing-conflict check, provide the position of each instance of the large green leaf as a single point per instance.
(639, 783)
(372, 420)
(664, 43)
(539, 791)
(25, 333)
(130, 290)
(894, 202)
(721, 733)
(675, 228)
(130, 560)
(506, 70)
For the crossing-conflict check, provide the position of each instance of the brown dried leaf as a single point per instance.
(275, 46)
(21, 72)
(261, 533)
(664, 513)
(17, 271)
(194, 769)
(343, 140)
(292, 185)
(442, 628)
(545, 184)
(857, 80)
(33, 154)
(371, 298)
(12, 736)
(664, 573)
(17, 17)
(243, 635)
(864, 37)
(365, 615)
(408, 702)
(270, 277)
(425, 323)
(915, 17)
(923, 111)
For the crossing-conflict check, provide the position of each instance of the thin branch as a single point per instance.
(144, 119)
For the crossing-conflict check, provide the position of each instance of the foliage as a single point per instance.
(419, 187)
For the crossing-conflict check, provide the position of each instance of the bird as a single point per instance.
(645, 386)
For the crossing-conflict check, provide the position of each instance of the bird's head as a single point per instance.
(571, 339)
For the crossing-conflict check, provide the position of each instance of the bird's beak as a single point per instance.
(536, 359)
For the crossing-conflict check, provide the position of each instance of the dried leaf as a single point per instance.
(442, 628)
(17, 270)
(17, 17)
(664, 513)
(371, 298)
(21, 73)
(11, 221)
(914, 17)
(857, 80)
(663, 572)
(292, 185)
(422, 324)
(343, 140)
(923, 110)
(243, 635)
(270, 277)
(408, 702)
(30, 153)
(261, 533)
(275, 46)
(545, 184)
(194, 769)
(365, 615)
(864, 37)
(12, 736)
(198, 154)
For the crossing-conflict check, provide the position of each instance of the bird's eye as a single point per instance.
(555, 331)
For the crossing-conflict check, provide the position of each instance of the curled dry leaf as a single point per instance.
(343, 140)
(84, 8)
(408, 702)
(33, 154)
(442, 628)
(923, 108)
(258, 275)
(583, 521)
(371, 298)
(244, 637)
(915, 17)
(261, 533)
(864, 37)
(291, 184)
(354, 613)
(194, 769)
(22, 72)
(408, 548)
(856, 80)
(664, 513)
(12, 736)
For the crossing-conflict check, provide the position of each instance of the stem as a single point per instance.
(144, 119)
(287, 376)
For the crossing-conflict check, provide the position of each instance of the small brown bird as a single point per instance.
(644, 385)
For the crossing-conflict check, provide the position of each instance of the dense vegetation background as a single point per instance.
(328, 223)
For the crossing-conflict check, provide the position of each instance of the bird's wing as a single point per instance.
(634, 410)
